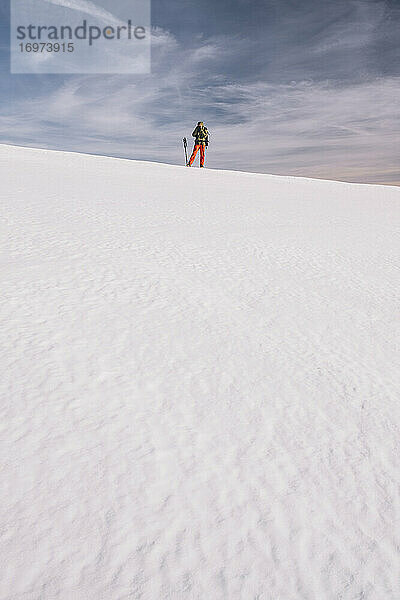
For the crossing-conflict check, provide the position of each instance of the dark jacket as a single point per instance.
(201, 134)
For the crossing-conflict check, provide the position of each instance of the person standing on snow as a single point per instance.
(201, 142)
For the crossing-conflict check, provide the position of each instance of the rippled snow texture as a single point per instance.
(199, 390)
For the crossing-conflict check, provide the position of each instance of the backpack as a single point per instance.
(201, 134)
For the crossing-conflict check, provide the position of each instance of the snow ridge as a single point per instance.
(199, 389)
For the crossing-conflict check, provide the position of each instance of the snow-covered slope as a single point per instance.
(199, 387)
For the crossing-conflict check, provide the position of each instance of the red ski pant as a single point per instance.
(202, 149)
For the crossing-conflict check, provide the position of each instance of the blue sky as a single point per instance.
(307, 88)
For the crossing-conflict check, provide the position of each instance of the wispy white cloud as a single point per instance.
(89, 8)
(321, 130)
(355, 33)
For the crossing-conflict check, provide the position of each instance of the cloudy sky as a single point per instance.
(297, 87)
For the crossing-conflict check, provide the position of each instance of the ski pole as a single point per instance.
(185, 146)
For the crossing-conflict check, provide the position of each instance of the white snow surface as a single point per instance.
(199, 389)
